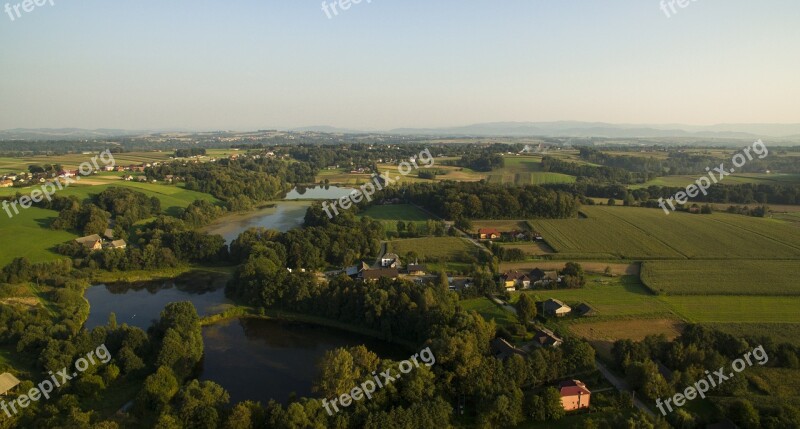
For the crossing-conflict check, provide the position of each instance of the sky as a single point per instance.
(262, 64)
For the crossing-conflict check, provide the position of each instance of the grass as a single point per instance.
(28, 235)
(391, 214)
(722, 309)
(501, 225)
(526, 170)
(489, 311)
(602, 334)
(620, 297)
(722, 277)
(639, 233)
(435, 249)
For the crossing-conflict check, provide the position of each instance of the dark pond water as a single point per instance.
(259, 360)
(139, 304)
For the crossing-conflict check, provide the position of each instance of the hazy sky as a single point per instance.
(250, 64)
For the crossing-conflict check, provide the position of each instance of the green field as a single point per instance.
(722, 277)
(526, 170)
(639, 233)
(489, 311)
(779, 333)
(173, 198)
(734, 179)
(436, 249)
(738, 309)
(27, 235)
(617, 297)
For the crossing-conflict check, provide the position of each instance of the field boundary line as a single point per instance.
(756, 233)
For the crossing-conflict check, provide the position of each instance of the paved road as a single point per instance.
(622, 386)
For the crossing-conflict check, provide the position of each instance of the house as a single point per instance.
(556, 308)
(355, 270)
(537, 275)
(488, 234)
(502, 349)
(93, 242)
(550, 277)
(390, 260)
(7, 383)
(118, 244)
(544, 337)
(108, 234)
(6, 183)
(127, 177)
(416, 270)
(374, 275)
(515, 279)
(574, 395)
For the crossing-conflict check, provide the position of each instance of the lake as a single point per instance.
(280, 215)
(259, 360)
(139, 304)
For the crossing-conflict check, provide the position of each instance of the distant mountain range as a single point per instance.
(493, 129)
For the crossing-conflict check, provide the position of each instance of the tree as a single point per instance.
(553, 408)
(744, 414)
(526, 309)
(157, 390)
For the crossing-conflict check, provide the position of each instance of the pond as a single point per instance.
(259, 360)
(280, 215)
(327, 192)
(139, 304)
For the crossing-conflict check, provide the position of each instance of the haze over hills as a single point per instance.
(499, 129)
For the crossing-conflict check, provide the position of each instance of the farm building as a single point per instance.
(374, 275)
(502, 349)
(556, 308)
(544, 337)
(390, 260)
(488, 234)
(7, 383)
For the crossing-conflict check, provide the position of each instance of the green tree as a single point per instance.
(526, 309)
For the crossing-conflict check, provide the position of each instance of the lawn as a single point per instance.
(489, 311)
(722, 277)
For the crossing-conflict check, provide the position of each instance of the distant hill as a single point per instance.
(64, 133)
(492, 129)
(599, 129)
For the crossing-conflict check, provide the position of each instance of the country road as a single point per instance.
(622, 386)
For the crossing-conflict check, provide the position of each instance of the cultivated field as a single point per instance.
(72, 161)
(737, 309)
(722, 277)
(638, 233)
